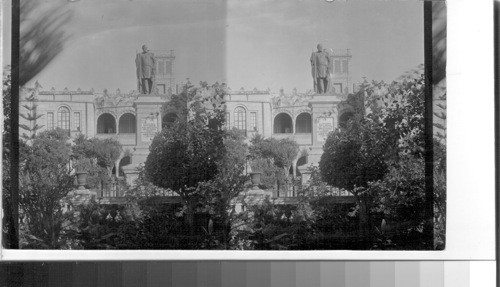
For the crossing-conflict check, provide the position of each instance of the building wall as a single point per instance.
(258, 103)
(80, 106)
(261, 106)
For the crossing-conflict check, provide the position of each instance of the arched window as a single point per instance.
(63, 118)
(168, 120)
(240, 118)
(344, 119)
(50, 121)
(303, 123)
(123, 162)
(127, 124)
(106, 124)
(283, 124)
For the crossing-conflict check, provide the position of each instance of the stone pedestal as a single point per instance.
(257, 196)
(259, 193)
(252, 197)
(131, 173)
(81, 196)
(148, 108)
(305, 174)
(324, 116)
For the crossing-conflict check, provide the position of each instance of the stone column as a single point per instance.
(117, 167)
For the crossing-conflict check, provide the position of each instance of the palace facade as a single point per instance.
(133, 119)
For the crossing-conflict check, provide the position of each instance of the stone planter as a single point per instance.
(81, 178)
(255, 178)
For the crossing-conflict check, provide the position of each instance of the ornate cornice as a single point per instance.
(115, 100)
(49, 93)
(253, 92)
(101, 111)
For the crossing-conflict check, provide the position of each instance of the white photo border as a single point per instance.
(470, 233)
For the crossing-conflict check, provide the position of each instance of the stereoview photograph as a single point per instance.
(225, 125)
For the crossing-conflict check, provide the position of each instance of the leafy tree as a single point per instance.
(276, 227)
(399, 200)
(404, 128)
(272, 177)
(439, 194)
(354, 156)
(283, 151)
(45, 180)
(391, 134)
(31, 115)
(188, 153)
(109, 226)
(6, 140)
(316, 187)
(105, 152)
(334, 224)
(273, 157)
(143, 188)
(227, 184)
(97, 157)
(177, 105)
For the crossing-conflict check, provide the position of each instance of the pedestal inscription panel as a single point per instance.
(324, 126)
(149, 128)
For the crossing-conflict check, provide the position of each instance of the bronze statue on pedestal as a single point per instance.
(320, 61)
(146, 65)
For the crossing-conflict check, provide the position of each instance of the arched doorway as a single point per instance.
(123, 162)
(283, 124)
(344, 119)
(168, 120)
(106, 124)
(127, 124)
(303, 124)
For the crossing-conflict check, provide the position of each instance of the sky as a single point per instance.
(251, 44)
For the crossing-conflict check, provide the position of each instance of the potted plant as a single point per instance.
(82, 166)
(255, 178)
(259, 172)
